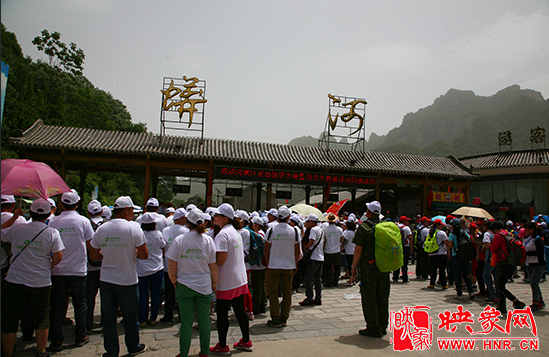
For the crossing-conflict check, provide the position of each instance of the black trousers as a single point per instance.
(438, 263)
(223, 307)
(504, 272)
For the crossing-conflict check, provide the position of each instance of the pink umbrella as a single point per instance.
(31, 179)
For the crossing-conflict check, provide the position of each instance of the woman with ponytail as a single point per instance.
(193, 271)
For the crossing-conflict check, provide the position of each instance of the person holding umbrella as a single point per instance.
(29, 277)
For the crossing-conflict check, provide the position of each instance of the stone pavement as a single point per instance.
(327, 330)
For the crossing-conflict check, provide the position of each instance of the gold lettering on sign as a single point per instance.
(186, 104)
(347, 116)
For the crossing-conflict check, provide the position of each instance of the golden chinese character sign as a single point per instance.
(505, 138)
(345, 122)
(183, 101)
(537, 136)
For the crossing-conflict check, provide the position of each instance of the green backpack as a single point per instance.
(388, 246)
(431, 245)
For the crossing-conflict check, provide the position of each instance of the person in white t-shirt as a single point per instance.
(245, 232)
(232, 284)
(170, 211)
(119, 243)
(94, 267)
(407, 248)
(152, 206)
(193, 271)
(150, 271)
(349, 235)
(332, 251)
(8, 220)
(314, 266)
(76, 233)
(438, 259)
(36, 249)
(169, 235)
(257, 276)
(271, 216)
(282, 251)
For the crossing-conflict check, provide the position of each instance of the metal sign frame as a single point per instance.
(345, 115)
(183, 103)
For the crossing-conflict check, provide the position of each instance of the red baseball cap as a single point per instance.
(424, 219)
(404, 218)
(437, 221)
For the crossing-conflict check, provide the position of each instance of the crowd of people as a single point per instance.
(197, 262)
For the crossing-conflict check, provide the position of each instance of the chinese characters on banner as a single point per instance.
(413, 329)
(293, 177)
(448, 197)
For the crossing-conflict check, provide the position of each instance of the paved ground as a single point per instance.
(330, 329)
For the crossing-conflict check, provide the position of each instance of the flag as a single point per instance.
(336, 207)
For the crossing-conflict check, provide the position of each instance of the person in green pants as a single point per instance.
(375, 286)
(192, 269)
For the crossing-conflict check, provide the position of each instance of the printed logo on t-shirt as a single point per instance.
(193, 253)
(35, 246)
(113, 242)
(283, 237)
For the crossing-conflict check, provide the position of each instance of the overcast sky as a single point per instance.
(269, 65)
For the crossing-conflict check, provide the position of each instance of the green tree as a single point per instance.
(69, 58)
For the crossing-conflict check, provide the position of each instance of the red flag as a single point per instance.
(336, 207)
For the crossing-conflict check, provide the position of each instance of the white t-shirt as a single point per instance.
(441, 238)
(118, 239)
(160, 219)
(282, 238)
(97, 220)
(245, 234)
(423, 233)
(194, 252)
(154, 263)
(169, 221)
(333, 235)
(350, 246)
(168, 235)
(75, 231)
(33, 266)
(272, 224)
(232, 274)
(405, 232)
(315, 234)
(260, 266)
(5, 217)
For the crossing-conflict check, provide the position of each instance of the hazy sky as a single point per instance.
(269, 65)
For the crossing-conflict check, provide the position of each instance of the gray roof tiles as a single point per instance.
(43, 136)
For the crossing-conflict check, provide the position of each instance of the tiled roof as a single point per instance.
(41, 136)
(539, 157)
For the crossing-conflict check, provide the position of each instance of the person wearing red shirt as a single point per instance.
(504, 271)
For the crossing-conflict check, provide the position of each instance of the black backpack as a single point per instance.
(257, 247)
(466, 250)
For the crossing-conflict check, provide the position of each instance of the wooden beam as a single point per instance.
(209, 188)
(269, 196)
(378, 183)
(146, 191)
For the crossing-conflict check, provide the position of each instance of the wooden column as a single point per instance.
(83, 173)
(425, 198)
(324, 199)
(269, 194)
(378, 185)
(146, 191)
(155, 186)
(63, 164)
(308, 195)
(353, 200)
(468, 193)
(209, 187)
(259, 188)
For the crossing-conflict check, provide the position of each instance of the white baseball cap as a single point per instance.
(41, 206)
(258, 220)
(509, 223)
(124, 202)
(351, 219)
(312, 217)
(273, 212)
(254, 214)
(190, 207)
(152, 202)
(374, 207)
(170, 210)
(226, 210)
(179, 213)
(52, 202)
(70, 198)
(283, 212)
(148, 218)
(195, 216)
(207, 217)
(242, 215)
(209, 211)
(265, 220)
(8, 199)
(94, 207)
(294, 217)
(107, 213)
